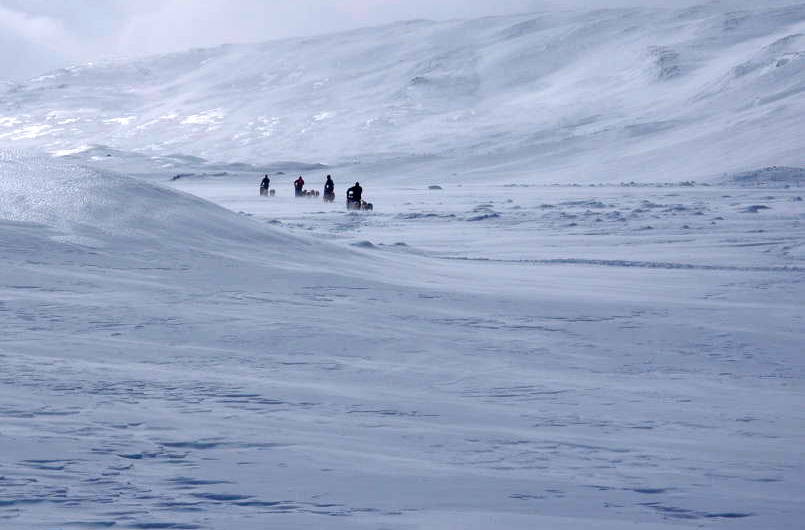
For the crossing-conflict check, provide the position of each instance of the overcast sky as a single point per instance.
(40, 35)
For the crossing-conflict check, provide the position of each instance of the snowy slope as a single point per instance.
(614, 95)
(167, 363)
(492, 354)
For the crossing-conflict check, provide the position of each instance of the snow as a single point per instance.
(778, 175)
(542, 96)
(9, 122)
(29, 132)
(74, 151)
(324, 116)
(210, 117)
(576, 305)
(119, 121)
(167, 361)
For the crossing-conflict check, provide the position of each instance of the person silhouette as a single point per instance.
(354, 195)
(329, 189)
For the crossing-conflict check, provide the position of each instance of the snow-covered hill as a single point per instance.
(497, 354)
(613, 95)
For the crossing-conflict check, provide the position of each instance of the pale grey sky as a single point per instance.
(39, 35)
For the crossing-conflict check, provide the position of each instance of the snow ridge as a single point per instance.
(97, 207)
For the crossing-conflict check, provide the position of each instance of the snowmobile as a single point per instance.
(329, 196)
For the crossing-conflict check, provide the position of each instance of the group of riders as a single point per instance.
(354, 194)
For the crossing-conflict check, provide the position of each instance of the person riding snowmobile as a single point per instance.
(264, 185)
(299, 185)
(354, 197)
(329, 189)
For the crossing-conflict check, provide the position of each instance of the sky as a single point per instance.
(41, 35)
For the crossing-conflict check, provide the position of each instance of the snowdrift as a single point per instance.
(775, 176)
(90, 206)
(610, 95)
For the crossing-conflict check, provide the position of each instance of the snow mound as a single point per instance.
(87, 205)
(770, 175)
(364, 244)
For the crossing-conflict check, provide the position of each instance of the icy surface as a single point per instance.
(497, 357)
(635, 94)
(483, 350)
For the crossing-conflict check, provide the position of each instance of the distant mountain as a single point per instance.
(606, 95)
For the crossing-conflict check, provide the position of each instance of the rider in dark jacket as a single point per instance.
(354, 195)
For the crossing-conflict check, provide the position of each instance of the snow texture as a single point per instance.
(177, 351)
(168, 363)
(582, 96)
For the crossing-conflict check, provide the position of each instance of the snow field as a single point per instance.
(178, 352)
(218, 369)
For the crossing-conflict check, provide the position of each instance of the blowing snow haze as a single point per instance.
(683, 93)
(41, 34)
(576, 301)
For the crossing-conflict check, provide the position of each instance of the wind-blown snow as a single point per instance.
(82, 203)
(168, 363)
(178, 352)
(612, 95)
